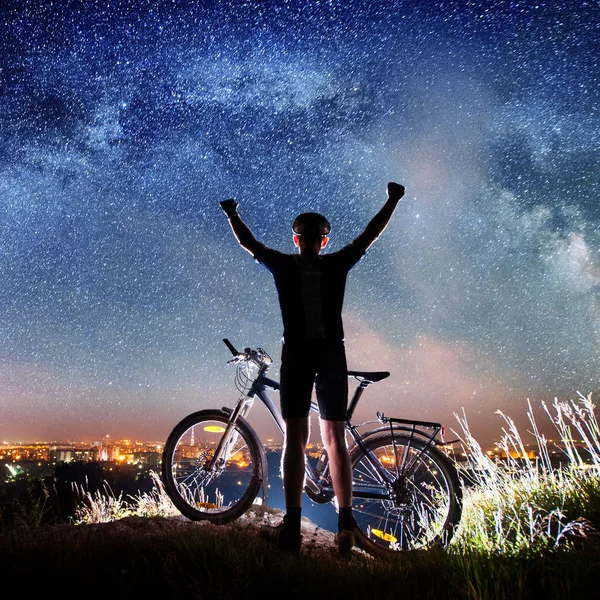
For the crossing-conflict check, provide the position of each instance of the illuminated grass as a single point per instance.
(523, 505)
(105, 507)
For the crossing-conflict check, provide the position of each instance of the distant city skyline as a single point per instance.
(125, 449)
(125, 123)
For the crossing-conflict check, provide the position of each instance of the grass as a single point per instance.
(522, 505)
(107, 507)
(168, 558)
(528, 531)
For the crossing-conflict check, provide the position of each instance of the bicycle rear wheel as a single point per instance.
(407, 496)
(218, 493)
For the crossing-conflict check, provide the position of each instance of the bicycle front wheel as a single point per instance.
(407, 496)
(201, 488)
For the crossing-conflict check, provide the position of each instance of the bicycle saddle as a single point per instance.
(372, 376)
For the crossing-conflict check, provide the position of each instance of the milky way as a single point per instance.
(123, 124)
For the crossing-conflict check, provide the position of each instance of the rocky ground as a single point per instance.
(314, 538)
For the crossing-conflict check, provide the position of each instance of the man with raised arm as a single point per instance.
(311, 293)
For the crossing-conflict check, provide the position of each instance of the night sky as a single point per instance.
(123, 124)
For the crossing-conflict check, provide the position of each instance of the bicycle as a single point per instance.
(407, 494)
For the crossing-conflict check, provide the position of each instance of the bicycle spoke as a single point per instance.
(416, 508)
(218, 492)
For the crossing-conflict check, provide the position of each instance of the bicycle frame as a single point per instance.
(406, 494)
(414, 428)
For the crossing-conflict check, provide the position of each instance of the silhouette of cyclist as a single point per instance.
(311, 293)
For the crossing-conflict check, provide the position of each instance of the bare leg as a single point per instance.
(287, 535)
(293, 460)
(334, 439)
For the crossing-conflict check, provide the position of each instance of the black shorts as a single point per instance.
(321, 363)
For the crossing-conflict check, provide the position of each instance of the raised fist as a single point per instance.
(229, 207)
(395, 191)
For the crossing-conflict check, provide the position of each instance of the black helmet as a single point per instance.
(311, 224)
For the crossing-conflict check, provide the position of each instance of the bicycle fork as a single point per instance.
(230, 435)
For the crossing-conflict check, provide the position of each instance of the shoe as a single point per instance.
(345, 540)
(282, 537)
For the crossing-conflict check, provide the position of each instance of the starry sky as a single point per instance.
(123, 124)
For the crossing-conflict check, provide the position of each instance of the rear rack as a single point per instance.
(426, 424)
(436, 427)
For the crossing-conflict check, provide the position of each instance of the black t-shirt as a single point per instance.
(311, 290)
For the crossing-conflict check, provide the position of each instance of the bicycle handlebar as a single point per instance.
(231, 347)
(259, 356)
